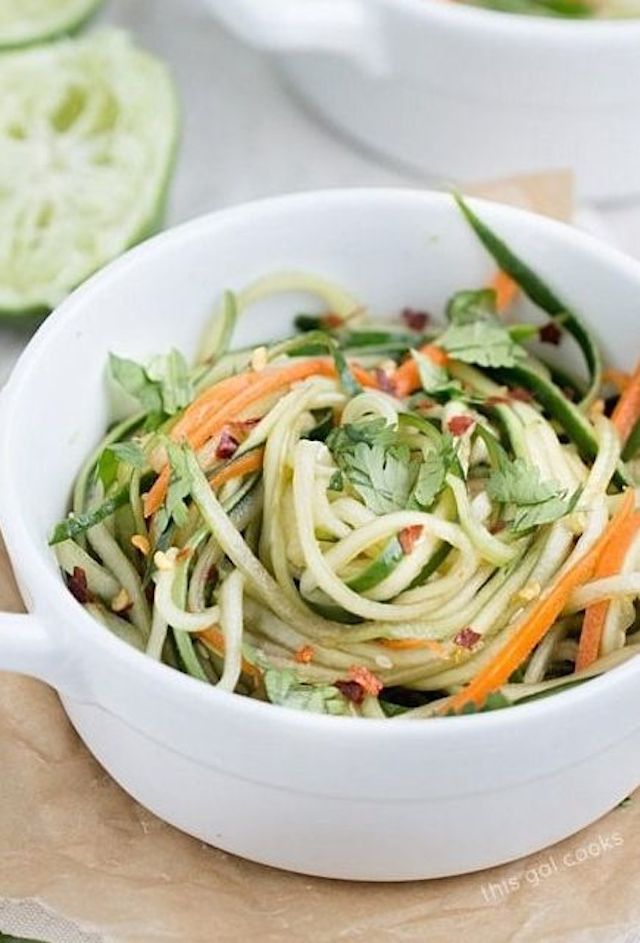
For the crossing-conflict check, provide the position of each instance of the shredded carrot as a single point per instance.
(407, 376)
(505, 288)
(214, 637)
(408, 644)
(610, 564)
(627, 410)
(540, 619)
(617, 378)
(250, 462)
(225, 401)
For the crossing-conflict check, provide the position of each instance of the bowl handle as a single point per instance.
(26, 647)
(347, 28)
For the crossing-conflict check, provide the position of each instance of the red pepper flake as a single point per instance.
(458, 425)
(519, 393)
(550, 333)
(366, 679)
(77, 583)
(305, 654)
(227, 446)
(183, 554)
(212, 575)
(415, 320)
(353, 691)
(385, 381)
(332, 321)
(467, 638)
(408, 538)
(497, 527)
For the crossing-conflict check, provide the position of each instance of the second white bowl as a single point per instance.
(461, 93)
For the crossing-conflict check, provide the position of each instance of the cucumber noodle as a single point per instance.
(359, 551)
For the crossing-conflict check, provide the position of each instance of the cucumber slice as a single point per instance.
(88, 132)
(23, 22)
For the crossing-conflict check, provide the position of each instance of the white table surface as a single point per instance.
(243, 136)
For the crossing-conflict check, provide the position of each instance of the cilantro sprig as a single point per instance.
(162, 388)
(382, 469)
(516, 484)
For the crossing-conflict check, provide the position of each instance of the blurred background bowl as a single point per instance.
(460, 93)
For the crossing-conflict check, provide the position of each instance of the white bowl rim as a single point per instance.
(24, 548)
(529, 27)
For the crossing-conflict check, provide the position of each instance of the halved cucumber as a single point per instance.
(23, 22)
(88, 132)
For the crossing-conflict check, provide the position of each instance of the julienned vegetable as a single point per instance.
(571, 9)
(398, 520)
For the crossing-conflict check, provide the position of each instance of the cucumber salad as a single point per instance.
(412, 518)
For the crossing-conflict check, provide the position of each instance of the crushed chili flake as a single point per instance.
(353, 691)
(458, 425)
(366, 679)
(519, 393)
(183, 554)
(550, 333)
(212, 574)
(415, 320)
(467, 638)
(385, 381)
(408, 538)
(497, 527)
(227, 446)
(305, 654)
(77, 583)
(332, 321)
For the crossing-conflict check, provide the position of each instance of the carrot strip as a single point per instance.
(627, 410)
(610, 564)
(224, 402)
(214, 637)
(406, 379)
(541, 618)
(250, 462)
(505, 288)
(617, 378)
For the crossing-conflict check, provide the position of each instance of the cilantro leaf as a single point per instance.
(547, 512)
(433, 473)
(467, 307)
(482, 343)
(133, 379)
(180, 485)
(164, 387)
(127, 453)
(383, 477)
(171, 373)
(283, 688)
(516, 482)
(536, 502)
(435, 378)
(381, 469)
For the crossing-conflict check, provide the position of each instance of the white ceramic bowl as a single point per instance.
(458, 92)
(365, 799)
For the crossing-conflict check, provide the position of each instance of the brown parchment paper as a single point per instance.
(71, 839)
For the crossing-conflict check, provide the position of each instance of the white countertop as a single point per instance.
(244, 136)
